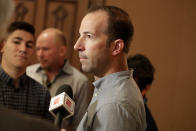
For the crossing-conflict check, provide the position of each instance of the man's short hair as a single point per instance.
(143, 70)
(119, 25)
(21, 25)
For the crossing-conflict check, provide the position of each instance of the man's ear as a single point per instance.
(144, 91)
(2, 43)
(117, 46)
(63, 50)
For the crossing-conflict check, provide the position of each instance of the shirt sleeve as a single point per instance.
(114, 117)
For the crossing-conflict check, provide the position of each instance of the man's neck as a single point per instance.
(53, 72)
(51, 75)
(117, 65)
(14, 72)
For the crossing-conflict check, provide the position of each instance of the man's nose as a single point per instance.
(39, 52)
(79, 45)
(23, 47)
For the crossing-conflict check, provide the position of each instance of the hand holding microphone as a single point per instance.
(62, 105)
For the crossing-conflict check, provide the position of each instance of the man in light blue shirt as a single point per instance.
(117, 105)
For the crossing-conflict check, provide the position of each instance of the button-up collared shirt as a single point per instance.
(29, 97)
(119, 105)
(68, 75)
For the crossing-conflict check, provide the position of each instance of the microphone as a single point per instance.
(62, 105)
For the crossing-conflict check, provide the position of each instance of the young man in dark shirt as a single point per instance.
(17, 90)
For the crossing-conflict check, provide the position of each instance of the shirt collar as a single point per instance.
(8, 80)
(145, 99)
(67, 68)
(4, 76)
(112, 79)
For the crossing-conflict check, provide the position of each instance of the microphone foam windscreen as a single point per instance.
(65, 88)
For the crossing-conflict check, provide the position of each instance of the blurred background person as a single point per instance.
(54, 70)
(144, 75)
(12, 120)
(17, 90)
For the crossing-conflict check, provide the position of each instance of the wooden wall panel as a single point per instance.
(25, 10)
(62, 15)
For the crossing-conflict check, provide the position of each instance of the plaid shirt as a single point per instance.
(30, 97)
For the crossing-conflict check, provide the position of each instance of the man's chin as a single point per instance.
(86, 69)
(20, 66)
(44, 66)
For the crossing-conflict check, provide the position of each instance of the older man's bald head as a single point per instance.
(56, 34)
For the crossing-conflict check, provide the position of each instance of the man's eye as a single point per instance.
(89, 36)
(37, 49)
(16, 42)
(46, 49)
(29, 45)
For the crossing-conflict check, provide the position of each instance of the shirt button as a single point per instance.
(95, 94)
